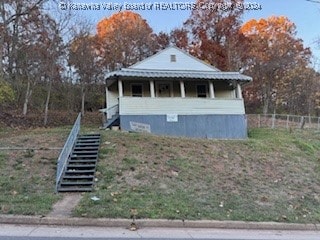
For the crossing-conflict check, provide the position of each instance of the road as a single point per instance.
(27, 232)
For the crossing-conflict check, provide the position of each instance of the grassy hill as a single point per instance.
(272, 176)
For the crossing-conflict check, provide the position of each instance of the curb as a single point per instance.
(150, 223)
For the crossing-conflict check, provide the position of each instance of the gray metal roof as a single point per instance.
(184, 74)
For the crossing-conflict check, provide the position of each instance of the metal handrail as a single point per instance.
(67, 149)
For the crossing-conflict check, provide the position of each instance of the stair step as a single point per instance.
(82, 148)
(81, 166)
(96, 138)
(84, 152)
(87, 144)
(84, 157)
(82, 161)
(77, 171)
(78, 176)
(90, 135)
(89, 139)
(74, 183)
(75, 189)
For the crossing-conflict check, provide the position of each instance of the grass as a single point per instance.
(28, 176)
(272, 176)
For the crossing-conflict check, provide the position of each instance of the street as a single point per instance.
(28, 232)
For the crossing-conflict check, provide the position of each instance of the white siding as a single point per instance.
(182, 106)
(112, 98)
(184, 61)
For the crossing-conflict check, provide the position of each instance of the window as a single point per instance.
(173, 58)
(202, 91)
(136, 90)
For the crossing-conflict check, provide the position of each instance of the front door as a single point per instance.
(163, 90)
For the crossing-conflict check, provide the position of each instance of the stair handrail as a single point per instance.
(67, 149)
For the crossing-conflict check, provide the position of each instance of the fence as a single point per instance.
(283, 121)
(65, 152)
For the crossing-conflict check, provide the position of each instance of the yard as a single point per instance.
(272, 176)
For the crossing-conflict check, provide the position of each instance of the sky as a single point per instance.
(305, 14)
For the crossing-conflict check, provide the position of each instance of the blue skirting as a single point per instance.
(197, 126)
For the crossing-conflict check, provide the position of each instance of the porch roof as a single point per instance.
(129, 73)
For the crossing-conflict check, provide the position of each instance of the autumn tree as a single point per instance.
(179, 37)
(12, 13)
(84, 59)
(124, 38)
(31, 46)
(298, 91)
(274, 53)
(162, 40)
(215, 36)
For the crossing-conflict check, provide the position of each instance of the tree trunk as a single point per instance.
(1, 55)
(26, 99)
(45, 121)
(82, 99)
(2, 35)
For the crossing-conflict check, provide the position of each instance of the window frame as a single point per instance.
(205, 93)
(136, 84)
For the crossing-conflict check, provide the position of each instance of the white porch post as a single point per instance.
(120, 88)
(239, 92)
(107, 101)
(182, 89)
(211, 89)
(152, 91)
(107, 96)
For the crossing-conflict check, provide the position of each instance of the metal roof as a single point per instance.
(178, 74)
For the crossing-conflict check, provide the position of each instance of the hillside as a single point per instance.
(272, 176)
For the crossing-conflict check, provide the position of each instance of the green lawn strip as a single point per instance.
(28, 176)
(273, 176)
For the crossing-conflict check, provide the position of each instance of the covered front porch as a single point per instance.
(133, 92)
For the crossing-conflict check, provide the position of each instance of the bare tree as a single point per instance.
(84, 59)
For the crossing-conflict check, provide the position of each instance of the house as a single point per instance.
(174, 93)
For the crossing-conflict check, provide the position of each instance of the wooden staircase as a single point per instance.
(81, 165)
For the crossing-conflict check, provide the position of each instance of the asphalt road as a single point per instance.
(28, 232)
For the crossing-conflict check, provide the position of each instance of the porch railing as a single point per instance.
(111, 111)
(67, 149)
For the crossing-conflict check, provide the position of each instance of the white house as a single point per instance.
(174, 93)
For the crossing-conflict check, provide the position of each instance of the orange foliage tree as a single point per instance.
(123, 39)
(274, 53)
(215, 35)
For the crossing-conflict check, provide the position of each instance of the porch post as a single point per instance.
(107, 96)
(120, 88)
(239, 92)
(211, 89)
(152, 92)
(107, 101)
(182, 89)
